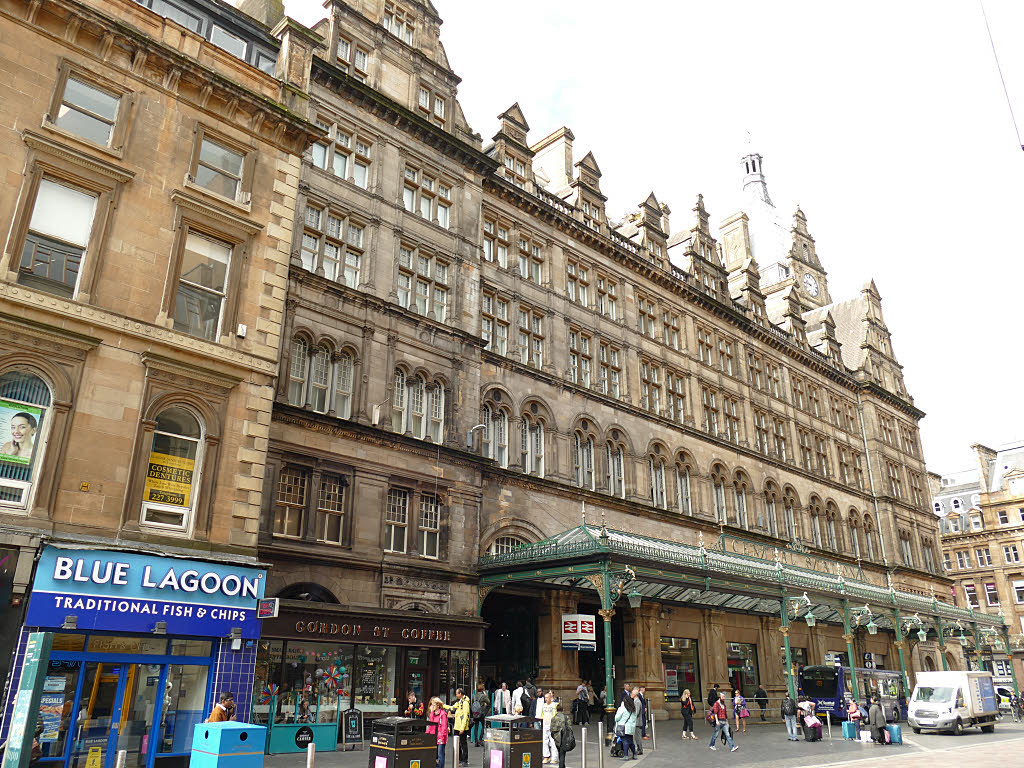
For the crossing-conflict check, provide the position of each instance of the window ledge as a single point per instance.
(185, 200)
(52, 127)
(246, 207)
(39, 142)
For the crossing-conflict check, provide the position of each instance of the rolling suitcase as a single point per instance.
(849, 729)
(895, 734)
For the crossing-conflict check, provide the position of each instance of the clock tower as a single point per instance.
(803, 264)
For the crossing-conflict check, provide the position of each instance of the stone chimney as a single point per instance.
(267, 12)
(985, 456)
(553, 155)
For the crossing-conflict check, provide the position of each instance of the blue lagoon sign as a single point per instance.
(127, 591)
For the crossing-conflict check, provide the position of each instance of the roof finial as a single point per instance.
(604, 526)
(583, 512)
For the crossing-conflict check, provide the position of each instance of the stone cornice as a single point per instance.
(38, 141)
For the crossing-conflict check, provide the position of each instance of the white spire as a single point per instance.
(753, 178)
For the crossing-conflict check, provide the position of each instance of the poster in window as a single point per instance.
(169, 479)
(19, 429)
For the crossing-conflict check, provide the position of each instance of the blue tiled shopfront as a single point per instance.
(142, 646)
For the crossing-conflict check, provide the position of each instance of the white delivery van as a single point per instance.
(952, 701)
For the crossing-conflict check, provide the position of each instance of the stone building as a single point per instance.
(475, 353)
(150, 171)
(981, 519)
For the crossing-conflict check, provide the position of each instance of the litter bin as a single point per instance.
(228, 745)
(402, 742)
(512, 741)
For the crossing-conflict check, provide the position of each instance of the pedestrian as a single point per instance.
(876, 719)
(583, 694)
(502, 701)
(761, 697)
(414, 707)
(559, 724)
(789, 715)
(480, 709)
(627, 693)
(548, 708)
(591, 699)
(437, 716)
(519, 700)
(625, 726)
(579, 701)
(853, 713)
(812, 725)
(642, 717)
(224, 709)
(462, 710)
(603, 698)
(686, 706)
(740, 711)
(530, 706)
(712, 695)
(720, 709)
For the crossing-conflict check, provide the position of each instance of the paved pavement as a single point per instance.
(763, 746)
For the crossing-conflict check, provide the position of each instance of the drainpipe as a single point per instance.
(871, 479)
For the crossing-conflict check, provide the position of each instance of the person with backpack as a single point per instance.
(720, 712)
(479, 709)
(546, 712)
(518, 697)
(789, 715)
(562, 734)
(688, 709)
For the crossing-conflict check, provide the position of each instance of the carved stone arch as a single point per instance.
(62, 388)
(348, 348)
(853, 518)
(770, 487)
(328, 342)
(305, 333)
(789, 492)
(659, 449)
(615, 433)
(507, 400)
(520, 528)
(415, 606)
(308, 591)
(442, 380)
(592, 428)
(815, 505)
(544, 412)
(719, 467)
(418, 371)
(684, 458)
(211, 419)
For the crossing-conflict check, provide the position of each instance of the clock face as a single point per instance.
(811, 284)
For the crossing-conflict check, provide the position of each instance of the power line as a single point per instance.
(1000, 70)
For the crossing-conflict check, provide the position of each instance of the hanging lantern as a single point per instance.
(872, 628)
(809, 618)
(634, 599)
(922, 634)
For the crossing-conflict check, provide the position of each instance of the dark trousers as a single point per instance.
(561, 758)
(463, 746)
(628, 744)
(687, 722)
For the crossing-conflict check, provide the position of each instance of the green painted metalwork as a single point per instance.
(1009, 655)
(899, 647)
(850, 658)
(790, 683)
(580, 551)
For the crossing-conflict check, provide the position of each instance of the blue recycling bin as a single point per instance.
(228, 745)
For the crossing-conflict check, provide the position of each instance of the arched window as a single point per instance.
(583, 460)
(399, 402)
(531, 446)
(343, 373)
(937, 506)
(830, 532)
(24, 424)
(788, 509)
(854, 532)
(718, 492)
(505, 544)
(739, 496)
(657, 468)
(172, 479)
(975, 499)
(615, 481)
(435, 427)
(416, 410)
(495, 434)
(417, 406)
(320, 379)
(683, 489)
(298, 364)
(957, 505)
(771, 497)
(816, 513)
(869, 538)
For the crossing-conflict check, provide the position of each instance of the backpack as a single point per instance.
(475, 708)
(863, 713)
(524, 701)
(568, 740)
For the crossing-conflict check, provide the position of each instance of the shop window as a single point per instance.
(173, 475)
(57, 239)
(314, 681)
(742, 658)
(24, 425)
(681, 661)
(290, 504)
(376, 669)
(184, 707)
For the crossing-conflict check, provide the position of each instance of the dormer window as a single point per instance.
(353, 59)
(591, 215)
(515, 171)
(399, 23)
(431, 105)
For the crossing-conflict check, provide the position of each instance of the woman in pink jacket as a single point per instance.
(438, 716)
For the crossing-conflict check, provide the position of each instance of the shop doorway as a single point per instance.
(510, 640)
(743, 674)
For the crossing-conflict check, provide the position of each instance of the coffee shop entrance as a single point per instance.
(316, 661)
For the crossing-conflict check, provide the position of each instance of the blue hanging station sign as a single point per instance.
(131, 592)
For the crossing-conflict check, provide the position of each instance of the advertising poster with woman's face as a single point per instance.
(19, 429)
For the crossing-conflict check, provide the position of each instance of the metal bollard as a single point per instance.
(310, 755)
(600, 742)
(654, 733)
(455, 757)
(122, 757)
(583, 737)
(828, 719)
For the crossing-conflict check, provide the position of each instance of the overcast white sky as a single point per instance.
(885, 121)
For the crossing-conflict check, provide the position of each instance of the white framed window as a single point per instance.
(650, 387)
(353, 58)
(675, 397)
(709, 399)
(531, 259)
(790, 517)
(761, 432)
(429, 529)
(494, 323)
(344, 367)
(531, 446)
(1018, 592)
(331, 508)
(334, 243)
(399, 22)
(976, 523)
(583, 460)
(396, 520)
(683, 500)
(580, 357)
(607, 297)
(578, 282)
(739, 497)
(611, 370)
(423, 282)
(937, 507)
(515, 171)
(495, 434)
(984, 557)
(670, 329)
(229, 41)
(298, 365)
(646, 317)
(1010, 553)
(431, 104)
(971, 593)
(963, 560)
(615, 482)
(657, 477)
(505, 544)
(346, 154)
(202, 287)
(1004, 517)
(417, 408)
(991, 594)
(320, 379)
(718, 492)
(24, 427)
(290, 501)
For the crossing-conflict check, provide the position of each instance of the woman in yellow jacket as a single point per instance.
(461, 710)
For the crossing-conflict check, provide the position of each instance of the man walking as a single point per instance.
(713, 695)
(462, 710)
(761, 697)
(548, 708)
(721, 712)
(789, 715)
(642, 698)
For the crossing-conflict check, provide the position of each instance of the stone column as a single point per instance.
(559, 670)
(714, 665)
(643, 656)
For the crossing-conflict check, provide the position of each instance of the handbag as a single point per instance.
(744, 712)
(620, 730)
(710, 718)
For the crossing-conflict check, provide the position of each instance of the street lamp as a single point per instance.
(634, 598)
(795, 605)
(860, 613)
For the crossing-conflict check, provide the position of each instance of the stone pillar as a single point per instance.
(769, 641)
(559, 670)
(714, 665)
(643, 656)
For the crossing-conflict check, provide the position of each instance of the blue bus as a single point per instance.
(829, 687)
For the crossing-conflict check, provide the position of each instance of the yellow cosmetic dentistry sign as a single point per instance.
(169, 479)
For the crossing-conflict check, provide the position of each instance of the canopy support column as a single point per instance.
(784, 629)
(1009, 656)
(899, 647)
(851, 661)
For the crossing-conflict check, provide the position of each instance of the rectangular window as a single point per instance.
(578, 282)
(821, 455)
(799, 396)
(230, 42)
(331, 506)
(1004, 518)
(815, 398)
(670, 329)
(895, 481)
(334, 243)
(202, 286)
(531, 261)
(963, 560)
(353, 59)
(57, 239)
(290, 504)
(429, 526)
(675, 397)
(607, 298)
(806, 454)
(646, 317)
(531, 337)
(219, 168)
(991, 594)
(755, 372)
(730, 412)
(86, 110)
(424, 193)
(704, 346)
(984, 557)
(494, 323)
(972, 596)
(761, 432)
(887, 427)
(725, 356)
(423, 283)
(710, 403)
(610, 370)
(1010, 553)
(650, 387)
(1018, 591)
(396, 520)
(779, 442)
(580, 358)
